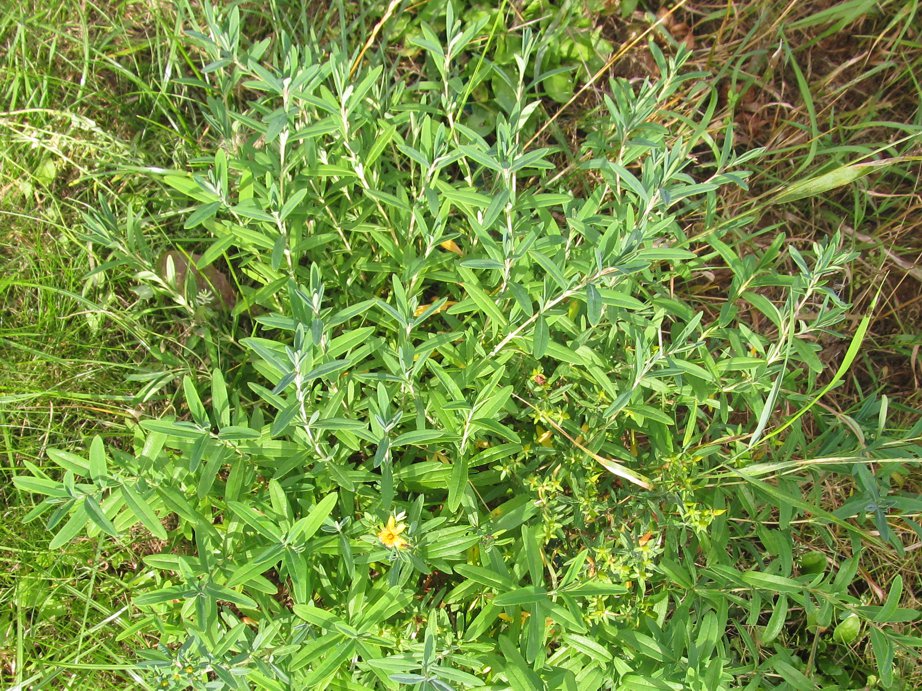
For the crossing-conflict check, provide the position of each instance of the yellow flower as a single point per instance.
(391, 535)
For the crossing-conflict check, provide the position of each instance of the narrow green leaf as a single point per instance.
(98, 516)
(457, 483)
(589, 647)
(883, 654)
(176, 592)
(776, 621)
(771, 582)
(98, 464)
(485, 304)
(844, 175)
(74, 526)
(594, 589)
(483, 576)
(551, 269)
(646, 645)
(259, 522)
(305, 528)
(327, 369)
(528, 595)
(893, 600)
(541, 338)
(293, 202)
(518, 673)
(593, 304)
(40, 485)
(219, 400)
(199, 414)
(421, 437)
(177, 430)
(219, 592)
(69, 461)
(140, 508)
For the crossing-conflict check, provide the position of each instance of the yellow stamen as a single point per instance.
(391, 535)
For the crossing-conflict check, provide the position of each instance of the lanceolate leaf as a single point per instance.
(142, 509)
(73, 527)
(305, 528)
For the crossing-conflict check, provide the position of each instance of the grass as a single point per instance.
(74, 83)
(58, 374)
(89, 90)
(822, 85)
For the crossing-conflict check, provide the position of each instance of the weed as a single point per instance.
(520, 385)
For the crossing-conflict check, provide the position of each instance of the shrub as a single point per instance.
(474, 438)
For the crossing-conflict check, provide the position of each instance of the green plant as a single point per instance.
(80, 93)
(476, 438)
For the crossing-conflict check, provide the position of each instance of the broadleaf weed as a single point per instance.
(464, 430)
